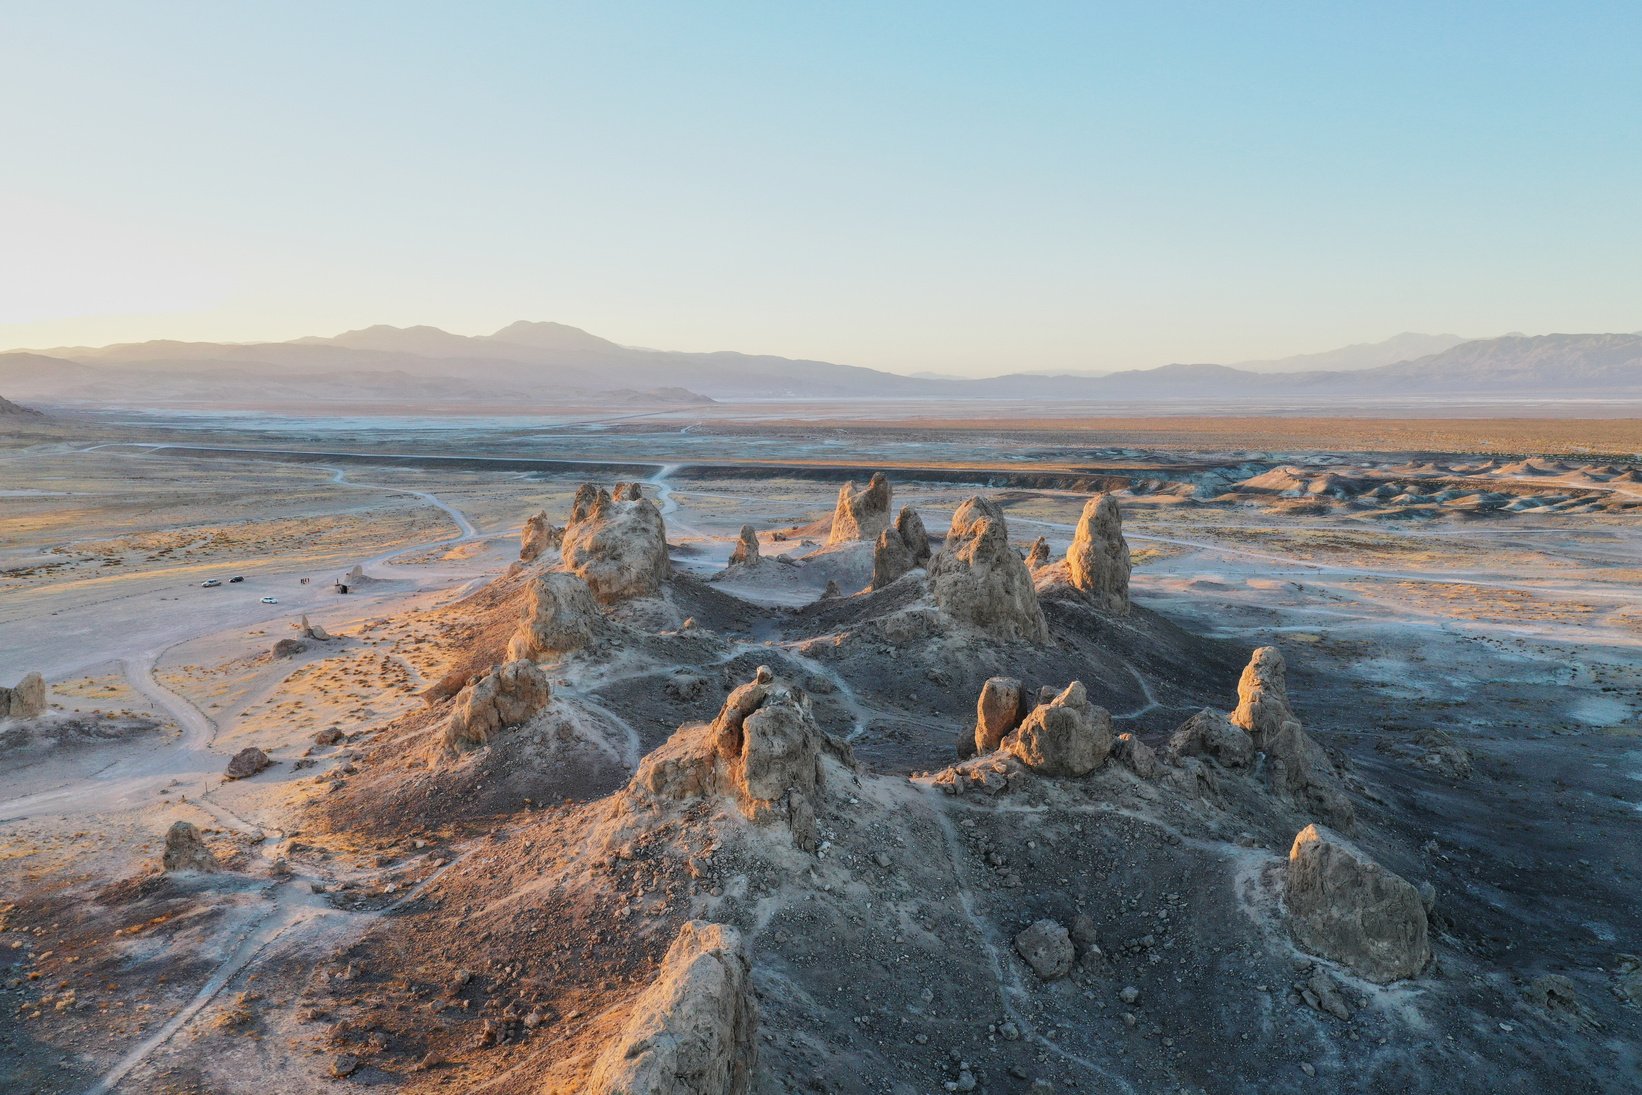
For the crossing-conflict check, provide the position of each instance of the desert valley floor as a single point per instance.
(432, 886)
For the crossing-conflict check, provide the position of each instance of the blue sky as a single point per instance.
(953, 187)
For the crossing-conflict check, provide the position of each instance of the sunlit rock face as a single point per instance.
(509, 695)
(560, 616)
(977, 578)
(861, 513)
(1098, 560)
(616, 544)
(25, 701)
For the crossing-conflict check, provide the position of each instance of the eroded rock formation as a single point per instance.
(764, 750)
(1346, 907)
(979, 580)
(1298, 768)
(617, 545)
(1068, 736)
(1038, 554)
(998, 710)
(1211, 734)
(861, 513)
(900, 548)
(25, 701)
(691, 1031)
(538, 536)
(560, 616)
(1098, 560)
(509, 695)
(185, 849)
(314, 631)
(746, 547)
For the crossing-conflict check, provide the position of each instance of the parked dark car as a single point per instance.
(236, 578)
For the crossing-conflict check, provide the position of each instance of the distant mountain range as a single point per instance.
(535, 365)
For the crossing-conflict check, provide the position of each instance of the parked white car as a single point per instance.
(270, 600)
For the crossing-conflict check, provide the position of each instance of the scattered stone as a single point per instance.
(1129, 995)
(861, 514)
(344, 1066)
(1348, 908)
(25, 701)
(287, 648)
(1098, 560)
(832, 592)
(560, 617)
(691, 1032)
(1322, 993)
(185, 849)
(246, 763)
(1047, 948)
(331, 735)
(1068, 736)
(978, 579)
(509, 695)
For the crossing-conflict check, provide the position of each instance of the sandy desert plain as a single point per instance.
(533, 880)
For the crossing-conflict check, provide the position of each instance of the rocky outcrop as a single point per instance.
(861, 514)
(691, 1032)
(1038, 554)
(1097, 563)
(900, 548)
(560, 616)
(746, 548)
(978, 579)
(289, 648)
(1348, 908)
(764, 750)
(1211, 734)
(1068, 736)
(1137, 756)
(617, 545)
(25, 701)
(246, 763)
(314, 631)
(539, 534)
(1297, 767)
(509, 695)
(185, 849)
(999, 709)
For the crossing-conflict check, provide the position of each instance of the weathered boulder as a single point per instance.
(1136, 755)
(978, 579)
(998, 710)
(861, 514)
(1068, 736)
(1098, 560)
(1047, 947)
(1297, 767)
(1348, 908)
(26, 701)
(314, 631)
(764, 750)
(246, 763)
(509, 695)
(560, 617)
(538, 536)
(618, 546)
(691, 1032)
(1211, 734)
(287, 648)
(746, 547)
(185, 849)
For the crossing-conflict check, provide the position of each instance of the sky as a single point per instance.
(951, 187)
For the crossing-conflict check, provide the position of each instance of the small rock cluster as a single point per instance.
(979, 580)
(900, 548)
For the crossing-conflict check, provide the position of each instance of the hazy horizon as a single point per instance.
(956, 190)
